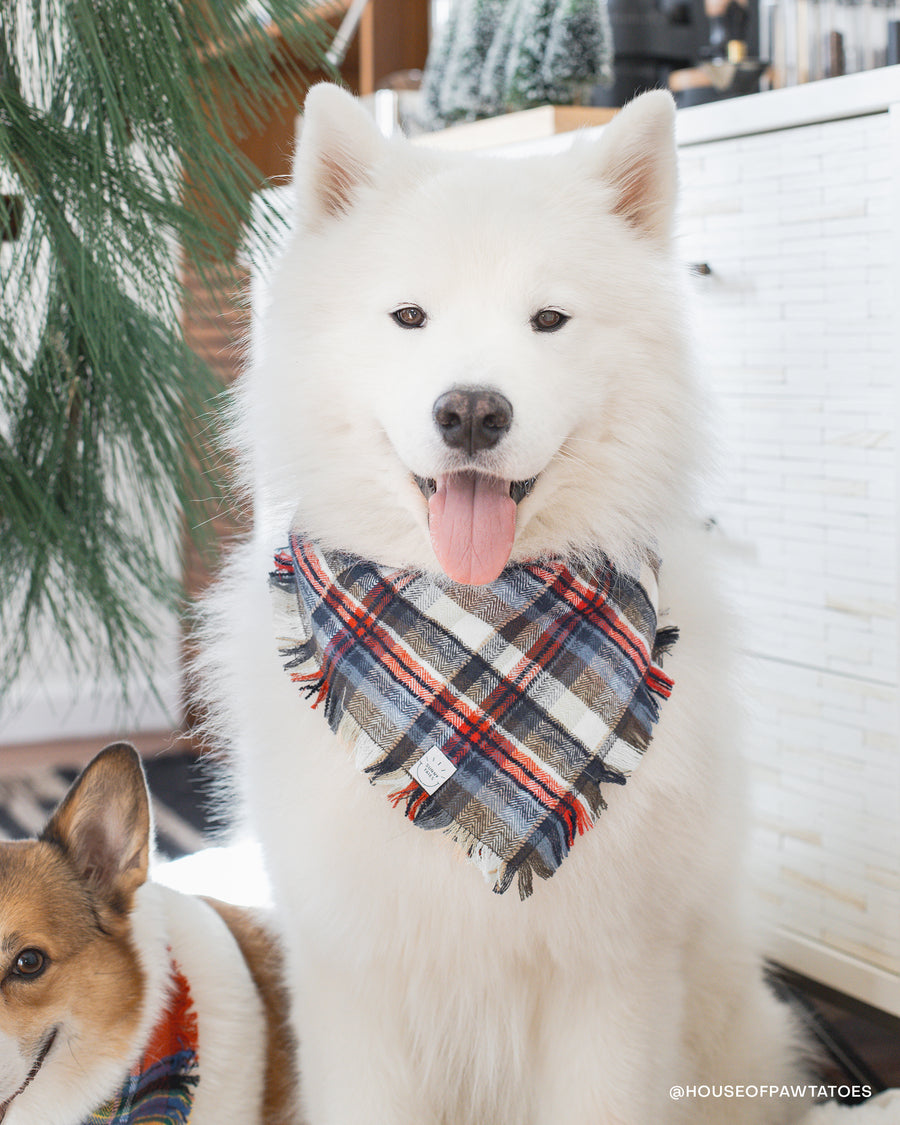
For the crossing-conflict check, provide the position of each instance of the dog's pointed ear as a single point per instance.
(103, 825)
(337, 148)
(636, 157)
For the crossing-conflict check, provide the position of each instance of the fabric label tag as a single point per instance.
(432, 770)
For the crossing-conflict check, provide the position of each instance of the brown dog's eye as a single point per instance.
(30, 963)
(548, 320)
(410, 316)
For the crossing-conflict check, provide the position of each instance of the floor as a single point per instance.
(859, 1045)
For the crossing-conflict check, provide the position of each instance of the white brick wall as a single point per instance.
(797, 334)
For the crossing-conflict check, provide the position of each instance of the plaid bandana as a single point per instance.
(496, 712)
(160, 1089)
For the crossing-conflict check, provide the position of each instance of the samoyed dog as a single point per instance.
(470, 417)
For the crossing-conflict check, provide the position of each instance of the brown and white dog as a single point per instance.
(121, 999)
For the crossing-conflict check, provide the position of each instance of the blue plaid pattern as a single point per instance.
(525, 696)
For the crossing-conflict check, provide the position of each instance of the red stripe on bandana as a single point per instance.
(565, 671)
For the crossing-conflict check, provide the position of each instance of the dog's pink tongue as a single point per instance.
(472, 519)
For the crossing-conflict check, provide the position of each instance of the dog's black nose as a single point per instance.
(472, 419)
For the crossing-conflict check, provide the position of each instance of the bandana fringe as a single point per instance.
(425, 812)
(401, 666)
(655, 686)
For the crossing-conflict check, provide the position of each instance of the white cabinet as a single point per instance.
(798, 218)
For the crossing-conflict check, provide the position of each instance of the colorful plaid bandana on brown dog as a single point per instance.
(497, 712)
(160, 1089)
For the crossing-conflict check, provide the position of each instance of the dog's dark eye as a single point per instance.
(548, 320)
(30, 963)
(410, 316)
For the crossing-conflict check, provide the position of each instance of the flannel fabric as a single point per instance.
(496, 712)
(160, 1089)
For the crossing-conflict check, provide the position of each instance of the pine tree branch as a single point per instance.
(107, 109)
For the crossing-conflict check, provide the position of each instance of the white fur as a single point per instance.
(421, 998)
(230, 1019)
(77, 1077)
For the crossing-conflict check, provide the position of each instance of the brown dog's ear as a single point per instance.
(103, 825)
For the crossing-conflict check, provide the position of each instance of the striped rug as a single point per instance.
(178, 789)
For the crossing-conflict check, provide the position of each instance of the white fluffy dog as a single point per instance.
(465, 364)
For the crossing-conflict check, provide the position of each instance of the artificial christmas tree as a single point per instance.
(494, 56)
(492, 86)
(579, 52)
(436, 70)
(526, 83)
(474, 31)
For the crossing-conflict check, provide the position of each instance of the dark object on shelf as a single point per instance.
(655, 38)
(836, 58)
(734, 79)
(893, 43)
(652, 38)
(696, 95)
(727, 25)
(726, 68)
(714, 81)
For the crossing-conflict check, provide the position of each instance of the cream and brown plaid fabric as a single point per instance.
(497, 713)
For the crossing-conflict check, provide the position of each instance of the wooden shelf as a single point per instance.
(514, 128)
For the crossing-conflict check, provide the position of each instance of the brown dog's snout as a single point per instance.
(472, 419)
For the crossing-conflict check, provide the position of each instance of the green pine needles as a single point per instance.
(108, 108)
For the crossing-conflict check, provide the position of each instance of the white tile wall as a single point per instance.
(797, 333)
